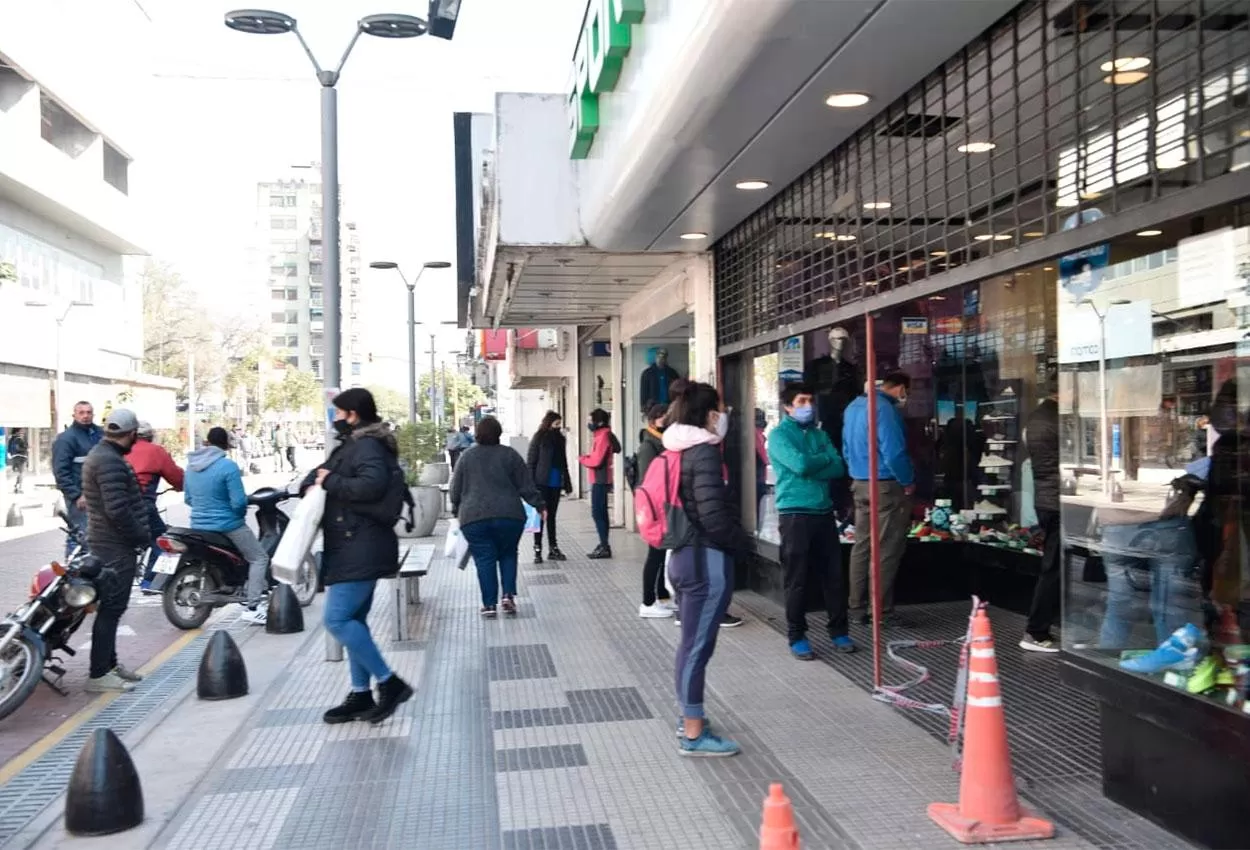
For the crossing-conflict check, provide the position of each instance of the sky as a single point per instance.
(206, 113)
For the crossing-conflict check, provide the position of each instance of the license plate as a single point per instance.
(167, 564)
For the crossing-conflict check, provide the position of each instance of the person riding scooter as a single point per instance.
(214, 491)
(151, 463)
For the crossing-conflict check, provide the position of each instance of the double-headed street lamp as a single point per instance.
(387, 265)
(1103, 426)
(59, 405)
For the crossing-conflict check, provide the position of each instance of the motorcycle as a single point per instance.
(61, 597)
(204, 571)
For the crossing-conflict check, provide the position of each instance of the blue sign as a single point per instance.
(1080, 273)
(790, 364)
(1115, 440)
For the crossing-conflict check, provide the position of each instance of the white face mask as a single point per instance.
(722, 424)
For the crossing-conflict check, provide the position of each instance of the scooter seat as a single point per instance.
(208, 538)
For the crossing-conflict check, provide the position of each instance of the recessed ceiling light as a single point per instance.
(977, 147)
(904, 269)
(1090, 196)
(694, 235)
(877, 205)
(1067, 202)
(752, 185)
(847, 100)
(837, 237)
(1243, 134)
(870, 283)
(1150, 233)
(1125, 63)
(996, 237)
(937, 297)
(937, 253)
(1002, 237)
(1125, 78)
(1033, 234)
(1048, 268)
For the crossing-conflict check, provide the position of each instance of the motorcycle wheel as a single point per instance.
(306, 587)
(174, 598)
(21, 668)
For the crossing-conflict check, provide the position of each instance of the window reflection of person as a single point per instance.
(962, 445)
(1221, 527)
(1042, 441)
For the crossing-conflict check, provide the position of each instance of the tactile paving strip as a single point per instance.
(520, 662)
(593, 837)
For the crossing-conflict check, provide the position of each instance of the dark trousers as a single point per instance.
(77, 520)
(157, 526)
(703, 579)
(811, 554)
(290, 456)
(113, 599)
(599, 511)
(551, 498)
(1045, 608)
(454, 456)
(653, 577)
(19, 470)
(493, 544)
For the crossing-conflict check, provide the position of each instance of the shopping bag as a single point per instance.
(456, 548)
(298, 538)
(533, 519)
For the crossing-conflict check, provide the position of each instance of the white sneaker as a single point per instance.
(257, 617)
(109, 683)
(667, 603)
(655, 612)
(986, 508)
(994, 462)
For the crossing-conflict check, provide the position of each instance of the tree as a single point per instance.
(296, 391)
(392, 406)
(462, 395)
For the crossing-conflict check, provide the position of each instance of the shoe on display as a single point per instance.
(994, 462)
(802, 650)
(844, 644)
(988, 508)
(1047, 644)
(708, 745)
(1178, 652)
(1203, 678)
(655, 612)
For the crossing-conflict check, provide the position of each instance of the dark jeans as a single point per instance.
(113, 599)
(1045, 608)
(653, 577)
(290, 456)
(78, 520)
(811, 553)
(453, 456)
(551, 498)
(599, 511)
(157, 526)
(19, 470)
(703, 579)
(493, 543)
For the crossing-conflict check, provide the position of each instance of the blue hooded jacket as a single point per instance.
(214, 490)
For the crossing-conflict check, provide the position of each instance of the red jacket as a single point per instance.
(599, 461)
(150, 461)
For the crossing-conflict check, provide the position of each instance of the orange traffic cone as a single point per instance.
(777, 831)
(988, 809)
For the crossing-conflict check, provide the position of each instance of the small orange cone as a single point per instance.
(988, 809)
(777, 831)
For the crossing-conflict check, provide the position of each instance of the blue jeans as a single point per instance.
(78, 520)
(703, 579)
(157, 527)
(347, 618)
(1159, 553)
(599, 511)
(493, 544)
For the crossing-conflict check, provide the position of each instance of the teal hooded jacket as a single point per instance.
(804, 462)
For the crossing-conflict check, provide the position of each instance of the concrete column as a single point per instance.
(618, 418)
(703, 306)
(629, 428)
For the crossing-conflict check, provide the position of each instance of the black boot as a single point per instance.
(601, 553)
(391, 693)
(554, 554)
(538, 555)
(357, 706)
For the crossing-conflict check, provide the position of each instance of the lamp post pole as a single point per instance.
(388, 265)
(434, 417)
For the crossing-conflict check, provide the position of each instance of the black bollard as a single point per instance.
(284, 615)
(223, 675)
(104, 794)
(14, 517)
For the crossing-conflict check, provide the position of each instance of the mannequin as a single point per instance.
(837, 381)
(656, 381)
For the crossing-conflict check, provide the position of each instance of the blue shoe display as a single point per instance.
(843, 643)
(708, 745)
(1178, 652)
(802, 650)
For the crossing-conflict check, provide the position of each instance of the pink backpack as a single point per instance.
(658, 509)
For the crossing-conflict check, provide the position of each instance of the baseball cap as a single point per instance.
(146, 431)
(121, 421)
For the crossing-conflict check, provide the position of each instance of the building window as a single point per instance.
(292, 294)
(277, 318)
(116, 169)
(282, 222)
(314, 269)
(355, 370)
(279, 342)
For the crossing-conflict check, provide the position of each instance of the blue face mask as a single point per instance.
(803, 415)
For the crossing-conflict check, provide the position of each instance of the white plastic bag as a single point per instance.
(533, 519)
(456, 548)
(298, 538)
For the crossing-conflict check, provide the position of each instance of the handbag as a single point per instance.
(456, 547)
(298, 538)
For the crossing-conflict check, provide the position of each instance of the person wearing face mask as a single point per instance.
(548, 464)
(805, 461)
(599, 464)
(656, 604)
(895, 484)
(69, 451)
(117, 529)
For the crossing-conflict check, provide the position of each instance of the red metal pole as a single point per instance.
(874, 523)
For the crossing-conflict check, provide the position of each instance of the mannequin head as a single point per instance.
(841, 345)
(661, 357)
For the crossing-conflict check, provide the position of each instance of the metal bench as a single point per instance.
(445, 489)
(414, 562)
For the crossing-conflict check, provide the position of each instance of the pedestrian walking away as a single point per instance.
(364, 488)
(19, 454)
(548, 462)
(1041, 438)
(805, 462)
(487, 490)
(599, 462)
(152, 464)
(69, 453)
(656, 602)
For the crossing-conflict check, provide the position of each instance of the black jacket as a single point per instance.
(69, 452)
(359, 521)
(1042, 441)
(549, 450)
(649, 448)
(712, 512)
(649, 385)
(117, 515)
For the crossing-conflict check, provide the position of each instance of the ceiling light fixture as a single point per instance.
(694, 235)
(995, 237)
(877, 205)
(752, 185)
(1033, 234)
(1125, 63)
(937, 253)
(1150, 233)
(977, 147)
(937, 297)
(847, 100)
(1125, 78)
(1048, 268)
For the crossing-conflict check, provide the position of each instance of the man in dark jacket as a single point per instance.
(1042, 440)
(19, 453)
(69, 452)
(117, 530)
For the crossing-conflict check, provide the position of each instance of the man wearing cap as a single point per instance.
(151, 464)
(117, 530)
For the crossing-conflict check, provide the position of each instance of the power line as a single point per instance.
(142, 10)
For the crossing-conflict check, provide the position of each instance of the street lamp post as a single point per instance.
(387, 265)
(59, 405)
(1104, 428)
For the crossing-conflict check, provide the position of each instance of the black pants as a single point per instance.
(454, 456)
(290, 456)
(1045, 607)
(19, 470)
(599, 511)
(810, 551)
(113, 599)
(551, 499)
(157, 526)
(653, 577)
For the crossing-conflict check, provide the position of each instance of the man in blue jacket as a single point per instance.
(896, 480)
(69, 452)
(214, 491)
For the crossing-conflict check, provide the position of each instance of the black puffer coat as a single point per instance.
(712, 512)
(1042, 440)
(117, 515)
(549, 450)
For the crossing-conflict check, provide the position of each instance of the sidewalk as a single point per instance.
(551, 730)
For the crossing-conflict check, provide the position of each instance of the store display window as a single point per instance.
(1154, 451)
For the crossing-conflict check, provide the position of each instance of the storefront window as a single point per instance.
(767, 414)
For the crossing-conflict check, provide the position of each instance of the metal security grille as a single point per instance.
(1061, 114)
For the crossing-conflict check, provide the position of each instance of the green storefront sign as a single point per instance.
(601, 50)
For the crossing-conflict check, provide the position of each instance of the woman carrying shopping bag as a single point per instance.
(487, 492)
(548, 462)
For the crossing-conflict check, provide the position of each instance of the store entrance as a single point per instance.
(657, 358)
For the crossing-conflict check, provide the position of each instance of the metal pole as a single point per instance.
(190, 400)
(1105, 462)
(433, 385)
(412, 353)
(874, 524)
(443, 408)
(59, 404)
(332, 360)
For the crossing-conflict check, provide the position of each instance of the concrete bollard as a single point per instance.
(334, 649)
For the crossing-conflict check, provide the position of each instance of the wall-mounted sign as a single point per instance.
(918, 326)
(1206, 269)
(1080, 272)
(790, 363)
(601, 50)
(1129, 332)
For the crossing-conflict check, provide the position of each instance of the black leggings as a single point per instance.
(551, 498)
(653, 577)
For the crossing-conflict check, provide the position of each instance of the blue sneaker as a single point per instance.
(802, 650)
(1178, 652)
(681, 727)
(708, 745)
(843, 643)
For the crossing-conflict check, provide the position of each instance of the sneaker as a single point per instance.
(109, 683)
(729, 621)
(708, 745)
(601, 553)
(145, 587)
(1203, 678)
(509, 605)
(1178, 652)
(802, 650)
(488, 611)
(357, 706)
(987, 508)
(1044, 644)
(994, 462)
(654, 612)
(556, 555)
(538, 556)
(681, 726)
(257, 616)
(843, 643)
(391, 695)
(667, 603)
(126, 674)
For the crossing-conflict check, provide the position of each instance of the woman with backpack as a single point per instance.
(656, 603)
(548, 462)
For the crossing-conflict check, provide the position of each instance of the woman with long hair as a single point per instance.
(548, 463)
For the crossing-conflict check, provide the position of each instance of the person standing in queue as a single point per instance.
(548, 462)
(805, 462)
(656, 603)
(1041, 438)
(151, 463)
(69, 453)
(117, 530)
(599, 463)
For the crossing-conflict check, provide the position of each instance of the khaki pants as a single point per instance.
(894, 510)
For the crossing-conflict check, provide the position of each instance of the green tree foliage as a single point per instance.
(297, 390)
(392, 406)
(462, 395)
(419, 443)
